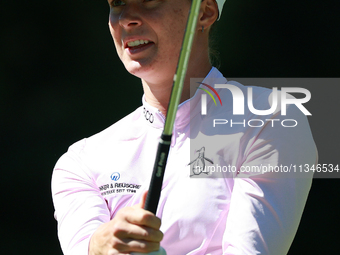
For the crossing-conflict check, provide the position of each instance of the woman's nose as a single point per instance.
(130, 16)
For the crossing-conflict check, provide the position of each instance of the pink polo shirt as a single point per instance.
(226, 212)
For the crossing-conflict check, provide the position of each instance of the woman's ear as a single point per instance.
(208, 14)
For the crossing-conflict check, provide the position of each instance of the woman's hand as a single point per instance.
(133, 229)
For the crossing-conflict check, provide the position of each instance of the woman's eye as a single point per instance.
(117, 3)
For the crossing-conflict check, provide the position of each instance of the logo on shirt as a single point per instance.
(115, 176)
(122, 188)
(148, 115)
(119, 188)
(198, 164)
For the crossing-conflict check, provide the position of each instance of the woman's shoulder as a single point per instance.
(127, 128)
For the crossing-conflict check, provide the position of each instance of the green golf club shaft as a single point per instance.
(155, 187)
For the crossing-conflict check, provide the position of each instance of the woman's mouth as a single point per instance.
(137, 43)
(137, 46)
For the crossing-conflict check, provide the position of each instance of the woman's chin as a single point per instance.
(150, 71)
(139, 70)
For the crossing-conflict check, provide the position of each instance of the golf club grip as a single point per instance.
(155, 187)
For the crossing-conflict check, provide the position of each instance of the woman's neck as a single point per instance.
(158, 94)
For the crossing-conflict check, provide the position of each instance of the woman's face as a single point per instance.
(148, 35)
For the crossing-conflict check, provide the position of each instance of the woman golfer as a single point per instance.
(229, 185)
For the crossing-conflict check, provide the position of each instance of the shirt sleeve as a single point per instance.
(79, 207)
(266, 207)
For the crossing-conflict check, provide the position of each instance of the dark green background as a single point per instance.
(61, 80)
